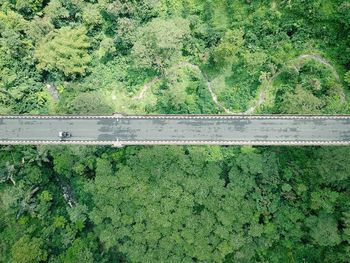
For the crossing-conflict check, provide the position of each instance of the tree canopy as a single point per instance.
(64, 50)
(179, 203)
(159, 43)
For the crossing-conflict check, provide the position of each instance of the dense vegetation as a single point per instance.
(174, 204)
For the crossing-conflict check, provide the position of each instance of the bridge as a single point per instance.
(120, 130)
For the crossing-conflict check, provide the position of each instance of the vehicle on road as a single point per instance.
(64, 135)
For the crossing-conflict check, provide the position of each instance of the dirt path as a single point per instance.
(213, 95)
(146, 87)
(53, 91)
(149, 84)
(296, 62)
(321, 60)
(205, 76)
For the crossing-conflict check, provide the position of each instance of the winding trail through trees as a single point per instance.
(296, 63)
(146, 87)
(149, 84)
(321, 60)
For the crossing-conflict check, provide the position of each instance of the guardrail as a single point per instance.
(181, 116)
(120, 144)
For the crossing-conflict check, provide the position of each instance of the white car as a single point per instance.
(64, 135)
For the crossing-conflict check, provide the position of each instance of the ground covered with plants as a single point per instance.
(174, 204)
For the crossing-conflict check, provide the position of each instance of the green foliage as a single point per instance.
(229, 46)
(92, 16)
(88, 103)
(64, 50)
(338, 164)
(324, 199)
(324, 230)
(118, 46)
(63, 164)
(158, 44)
(103, 168)
(29, 6)
(153, 232)
(184, 91)
(174, 204)
(347, 77)
(301, 101)
(56, 12)
(79, 251)
(18, 78)
(312, 89)
(27, 250)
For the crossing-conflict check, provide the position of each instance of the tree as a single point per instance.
(63, 164)
(13, 43)
(39, 28)
(64, 50)
(184, 91)
(89, 103)
(301, 101)
(28, 250)
(91, 16)
(103, 167)
(18, 77)
(78, 252)
(347, 77)
(158, 44)
(165, 205)
(174, 204)
(55, 11)
(228, 47)
(324, 230)
(29, 6)
(332, 165)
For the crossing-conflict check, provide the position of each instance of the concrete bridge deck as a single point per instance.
(122, 130)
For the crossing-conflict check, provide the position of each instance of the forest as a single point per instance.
(174, 203)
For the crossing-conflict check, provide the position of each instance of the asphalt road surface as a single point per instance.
(121, 130)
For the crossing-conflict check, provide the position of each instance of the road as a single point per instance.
(119, 130)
